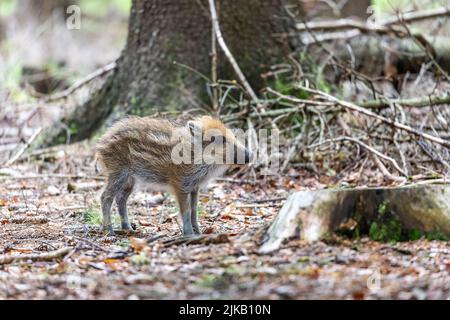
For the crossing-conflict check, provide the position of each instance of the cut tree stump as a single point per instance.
(313, 215)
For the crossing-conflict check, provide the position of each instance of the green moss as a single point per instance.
(414, 234)
(436, 235)
(390, 231)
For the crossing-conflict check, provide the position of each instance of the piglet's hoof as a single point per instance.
(107, 230)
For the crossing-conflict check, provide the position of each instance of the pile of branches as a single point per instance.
(401, 136)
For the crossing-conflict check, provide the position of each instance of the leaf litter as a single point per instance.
(60, 212)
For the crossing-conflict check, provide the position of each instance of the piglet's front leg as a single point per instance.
(194, 201)
(184, 202)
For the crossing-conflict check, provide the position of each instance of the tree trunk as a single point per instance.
(386, 214)
(147, 79)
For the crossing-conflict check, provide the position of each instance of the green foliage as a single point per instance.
(282, 86)
(436, 235)
(414, 234)
(140, 259)
(7, 7)
(387, 228)
(92, 217)
(73, 129)
(102, 7)
(390, 7)
(201, 209)
(207, 281)
(383, 208)
(389, 231)
(13, 75)
(321, 83)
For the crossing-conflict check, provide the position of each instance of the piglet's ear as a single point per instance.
(194, 128)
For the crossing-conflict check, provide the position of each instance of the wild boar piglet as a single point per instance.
(165, 156)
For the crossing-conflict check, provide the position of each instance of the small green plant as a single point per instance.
(282, 86)
(207, 281)
(414, 234)
(436, 235)
(73, 129)
(92, 217)
(389, 231)
(140, 259)
(383, 208)
(201, 209)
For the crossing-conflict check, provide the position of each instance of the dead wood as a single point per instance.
(48, 256)
(312, 215)
(204, 239)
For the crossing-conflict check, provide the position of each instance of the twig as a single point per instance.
(24, 147)
(367, 147)
(204, 239)
(227, 52)
(380, 26)
(48, 256)
(414, 102)
(271, 200)
(257, 205)
(51, 175)
(417, 16)
(395, 124)
(334, 25)
(92, 244)
(29, 220)
(97, 73)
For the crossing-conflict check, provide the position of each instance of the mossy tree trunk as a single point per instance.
(385, 214)
(162, 32)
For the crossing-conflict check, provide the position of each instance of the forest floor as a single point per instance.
(51, 202)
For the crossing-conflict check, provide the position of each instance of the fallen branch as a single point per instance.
(335, 25)
(48, 256)
(29, 220)
(97, 73)
(204, 239)
(415, 16)
(24, 147)
(382, 26)
(413, 102)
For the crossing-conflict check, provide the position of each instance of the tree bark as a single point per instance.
(147, 79)
(384, 212)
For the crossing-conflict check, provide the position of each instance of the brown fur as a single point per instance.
(141, 148)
